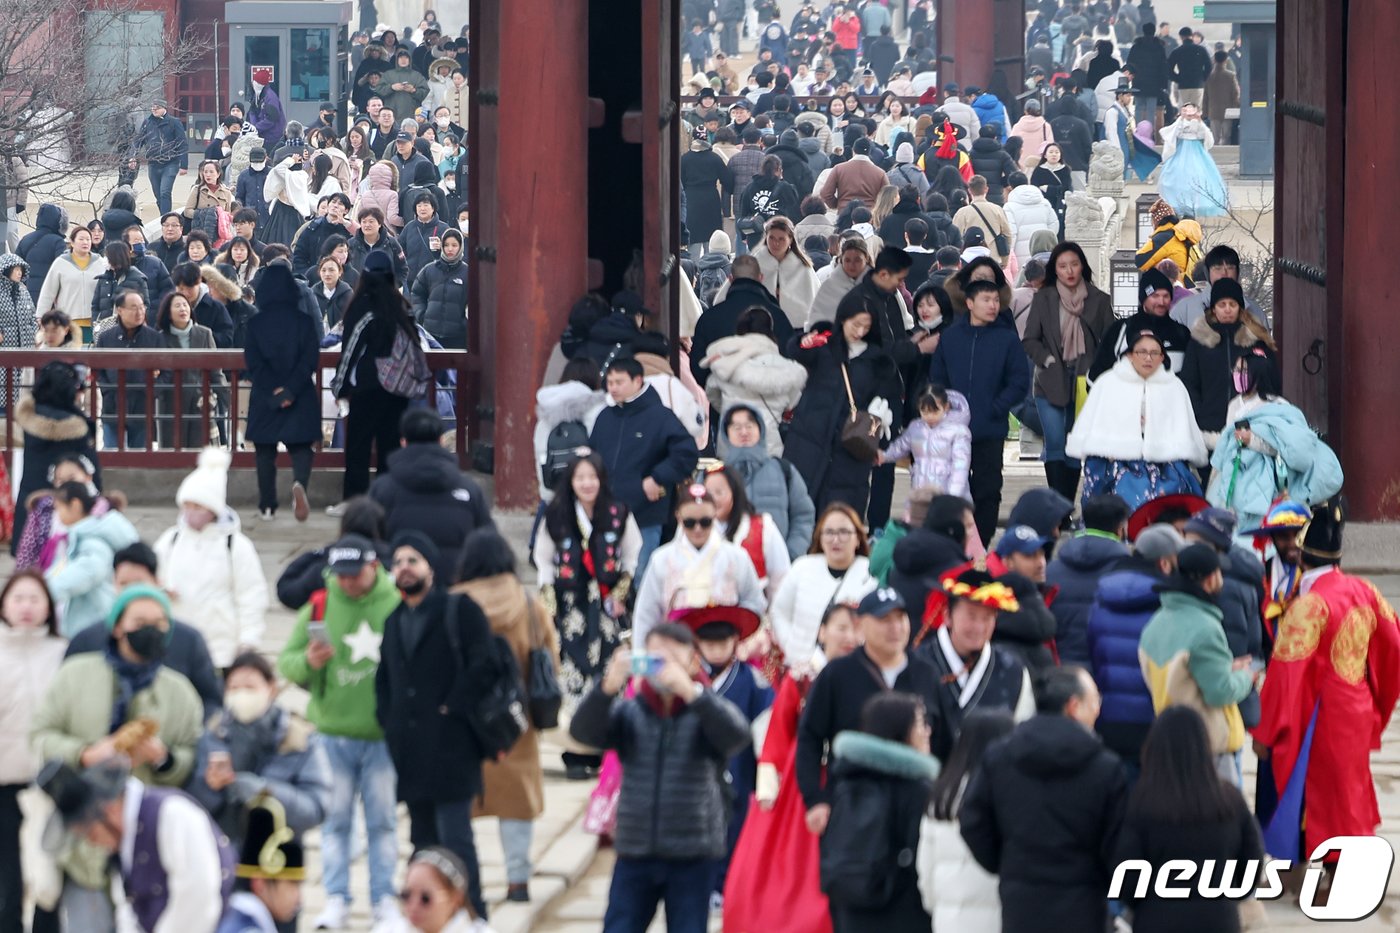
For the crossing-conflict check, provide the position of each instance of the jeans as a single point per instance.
(449, 824)
(516, 836)
(1057, 422)
(1146, 110)
(1228, 767)
(651, 540)
(984, 482)
(729, 37)
(360, 767)
(638, 885)
(267, 471)
(135, 429)
(162, 176)
(87, 909)
(373, 421)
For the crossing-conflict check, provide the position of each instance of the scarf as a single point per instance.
(183, 335)
(132, 678)
(1071, 324)
(252, 745)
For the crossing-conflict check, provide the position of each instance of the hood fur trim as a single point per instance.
(892, 758)
(1251, 333)
(752, 363)
(221, 287)
(568, 401)
(654, 365)
(71, 427)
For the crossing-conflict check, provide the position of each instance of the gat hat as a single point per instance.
(1226, 288)
(418, 541)
(1322, 540)
(1197, 561)
(379, 261)
(1151, 511)
(1153, 280)
(881, 602)
(78, 797)
(1283, 517)
(270, 850)
(1159, 541)
(350, 554)
(1125, 88)
(404, 138)
(980, 587)
(1215, 525)
(1020, 539)
(207, 486)
(744, 622)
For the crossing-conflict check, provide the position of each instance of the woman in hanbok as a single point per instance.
(585, 559)
(1189, 179)
(1137, 434)
(1267, 449)
(774, 885)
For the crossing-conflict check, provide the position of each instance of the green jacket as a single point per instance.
(342, 692)
(882, 552)
(403, 103)
(76, 712)
(1186, 661)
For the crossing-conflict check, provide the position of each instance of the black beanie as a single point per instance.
(1226, 288)
(1149, 282)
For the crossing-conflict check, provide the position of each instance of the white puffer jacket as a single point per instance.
(750, 369)
(29, 658)
(216, 583)
(1027, 211)
(958, 893)
(809, 587)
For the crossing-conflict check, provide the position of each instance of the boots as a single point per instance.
(1069, 487)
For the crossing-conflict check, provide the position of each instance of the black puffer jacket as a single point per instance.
(1239, 600)
(1025, 631)
(1207, 371)
(673, 803)
(440, 302)
(1044, 814)
(104, 296)
(359, 249)
(426, 491)
(992, 162)
(43, 245)
(918, 560)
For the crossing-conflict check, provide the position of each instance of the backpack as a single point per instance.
(859, 864)
(561, 449)
(496, 717)
(709, 282)
(404, 372)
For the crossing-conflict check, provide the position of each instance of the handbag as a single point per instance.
(860, 436)
(496, 715)
(542, 684)
(404, 372)
(1002, 244)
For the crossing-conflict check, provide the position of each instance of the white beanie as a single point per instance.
(904, 154)
(720, 243)
(208, 484)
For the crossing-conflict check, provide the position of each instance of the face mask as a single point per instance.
(148, 642)
(442, 121)
(138, 250)
(247, 705)
(258, 166)
(1241, 380)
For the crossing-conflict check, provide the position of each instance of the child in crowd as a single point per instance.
(940, 442)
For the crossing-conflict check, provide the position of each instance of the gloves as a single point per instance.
(814, 340)
(881, 409)
(246, 786)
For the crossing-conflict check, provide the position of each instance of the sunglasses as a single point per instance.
(693, 523)
(425, 898)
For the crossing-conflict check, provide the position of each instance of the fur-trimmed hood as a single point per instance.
(654, 364)
(568, 401)
(752, 363)
(50, 424)
(221, 287)
(893, 758)
(1250, 333)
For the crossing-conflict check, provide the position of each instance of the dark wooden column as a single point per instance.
(529, 195)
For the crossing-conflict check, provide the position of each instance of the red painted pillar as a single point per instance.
(981, 36)
(1365, 298)
(529, 201)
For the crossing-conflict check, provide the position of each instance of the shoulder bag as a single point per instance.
(860, 436)
(1002, 244)
(542, 684)
(495, 715)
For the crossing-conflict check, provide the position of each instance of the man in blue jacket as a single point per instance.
(647, 450)
(981, 357)
(1076, 569)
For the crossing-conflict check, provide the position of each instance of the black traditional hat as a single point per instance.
(1322, 540)
(270, 850)
(78, 797)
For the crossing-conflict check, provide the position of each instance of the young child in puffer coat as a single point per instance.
(940, 442)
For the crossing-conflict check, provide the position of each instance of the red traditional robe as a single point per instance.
(774, 883)
(1337, 655)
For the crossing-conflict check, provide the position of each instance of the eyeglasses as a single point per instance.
(692, 523)
(1148, 354)
(838, 533)
(425, 897)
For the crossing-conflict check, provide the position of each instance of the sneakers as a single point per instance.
(337, 510)
(334, 915)
(267, 515)
(301, 508)
(387, 916)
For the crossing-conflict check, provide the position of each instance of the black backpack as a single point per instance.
(497, 715)
(859, 864)
(709, 282)
(561, 449)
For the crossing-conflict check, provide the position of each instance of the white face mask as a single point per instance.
(258, 166)
(246, 705)
(442, 121)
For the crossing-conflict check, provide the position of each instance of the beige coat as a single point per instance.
(514, 787)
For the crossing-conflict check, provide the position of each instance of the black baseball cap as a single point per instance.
(350, 554)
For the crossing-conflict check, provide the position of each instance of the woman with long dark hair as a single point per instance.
(959, 893)
(1181, 808)
(323, 182)
(182, 417)
(584, 564)
(742, 524)
(120, 276)
(377, 313)
(53, 425)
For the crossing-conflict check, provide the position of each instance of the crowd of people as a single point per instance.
(803, 710)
